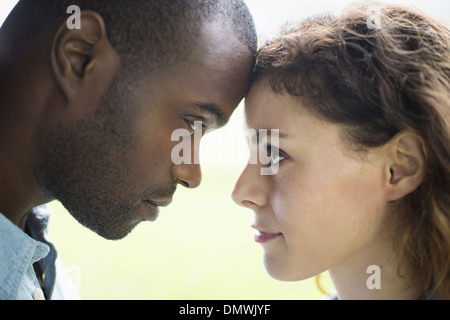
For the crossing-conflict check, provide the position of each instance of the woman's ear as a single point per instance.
(75, 52)
(406, 164)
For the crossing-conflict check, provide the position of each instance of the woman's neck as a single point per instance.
(372, 273)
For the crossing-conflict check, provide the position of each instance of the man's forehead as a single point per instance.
(220, 38)
(214, 78)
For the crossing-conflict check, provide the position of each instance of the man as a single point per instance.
(87, 111)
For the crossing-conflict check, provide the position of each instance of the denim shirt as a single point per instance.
(19, 251)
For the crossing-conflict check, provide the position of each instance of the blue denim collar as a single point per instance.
(18, 252)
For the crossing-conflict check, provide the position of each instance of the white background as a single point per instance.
(268, 13)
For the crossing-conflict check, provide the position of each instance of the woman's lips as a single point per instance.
(263, 236)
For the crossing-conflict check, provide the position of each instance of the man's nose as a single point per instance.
(189, 175)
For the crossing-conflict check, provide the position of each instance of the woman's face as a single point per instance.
(324, 208)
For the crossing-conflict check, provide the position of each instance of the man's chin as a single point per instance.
(113, 235)
(107, 228)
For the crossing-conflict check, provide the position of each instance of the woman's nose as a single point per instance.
(249, 189)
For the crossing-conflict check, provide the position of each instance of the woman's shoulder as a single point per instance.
(332, 295)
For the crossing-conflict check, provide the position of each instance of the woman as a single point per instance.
(362, 105)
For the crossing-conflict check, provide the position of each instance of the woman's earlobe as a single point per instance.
(407, 164)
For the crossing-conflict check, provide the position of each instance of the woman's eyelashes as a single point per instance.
(276, 155)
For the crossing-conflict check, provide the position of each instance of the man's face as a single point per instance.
(112, 169)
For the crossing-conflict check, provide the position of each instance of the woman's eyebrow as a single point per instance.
(268, 132)
(220, 119)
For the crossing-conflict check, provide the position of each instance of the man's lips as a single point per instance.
(152, 212)
(264, 235)
(160, 202)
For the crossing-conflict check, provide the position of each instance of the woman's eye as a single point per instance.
(277, 158)
(275, 154)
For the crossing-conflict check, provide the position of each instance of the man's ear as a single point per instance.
(406, 164)
(75, 52)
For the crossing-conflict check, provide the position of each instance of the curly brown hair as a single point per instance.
(376, 70)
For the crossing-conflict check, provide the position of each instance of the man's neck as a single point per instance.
(18, 193)
(19, 188)
(23, 95)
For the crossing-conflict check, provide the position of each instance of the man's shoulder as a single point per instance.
(17, 250)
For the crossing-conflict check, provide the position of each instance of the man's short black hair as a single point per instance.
(161, 30)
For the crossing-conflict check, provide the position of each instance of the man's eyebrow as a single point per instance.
(220, 119)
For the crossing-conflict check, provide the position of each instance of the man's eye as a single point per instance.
(195, 125)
